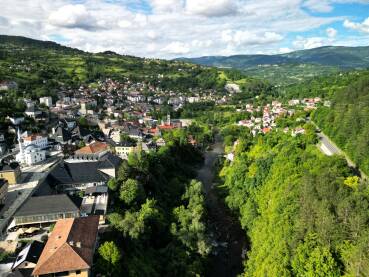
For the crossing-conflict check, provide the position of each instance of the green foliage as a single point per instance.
(292, 67)
(136, 223)
(131, 191)
(300, 216)
(113, 184)
(109, 258)
(40, 67)
(346, 121)
(190, 227)
(82, 121)
(311, 259)
(4, 255)
(145, 225)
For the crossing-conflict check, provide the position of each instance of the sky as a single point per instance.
(189, 28)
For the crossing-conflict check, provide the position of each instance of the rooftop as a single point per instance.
(93, 148)
(30, 253)
(47, 205)
(70, 246)
(32, 137)
(9, 167)
(2, 182)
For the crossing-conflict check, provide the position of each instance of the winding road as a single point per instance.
(228, 238)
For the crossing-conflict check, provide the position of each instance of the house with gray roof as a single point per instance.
(45, 209)
(77, 175)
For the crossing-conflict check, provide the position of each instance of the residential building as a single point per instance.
(5, 85)
(33, 112)
(160, 142)
(3, 190)
(231, 88)
(45, 209)
(193, 99)
(136, 97)
(95, 149)
(47, 101)
(15, 120)
(70, 248)
(87, 106)
(3, 148)
(37, 140)
(27, 258)
(72, 176)
(10, 172)
(61, 134)
(95, 202)
(123, 149)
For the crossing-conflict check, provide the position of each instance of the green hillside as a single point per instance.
(295, 66)
(346, 122)
(39, 66)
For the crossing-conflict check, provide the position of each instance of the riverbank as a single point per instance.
(228, 238)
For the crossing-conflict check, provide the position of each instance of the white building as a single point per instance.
(31, 153)
(232, 88)
(193, 99)
(37, 140)
(47, 101)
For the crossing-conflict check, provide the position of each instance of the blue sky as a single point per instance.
(173, 28)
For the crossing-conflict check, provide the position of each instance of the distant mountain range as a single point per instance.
(337, 56)
(294, 66)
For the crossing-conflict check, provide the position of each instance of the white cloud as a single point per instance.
(124, 23)
(249, 38)
(325, 6)
(211, 7)
(362, 27)
(169, 28)
(284, 50)
(164, 6)
(72, 16)
(318, 5)
(177, 48)
(331, 32)
(308, 43)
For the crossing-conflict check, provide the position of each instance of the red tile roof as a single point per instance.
(32, 137)
(70, 246)
(93, 148)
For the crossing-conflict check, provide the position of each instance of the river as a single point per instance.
(228, 238)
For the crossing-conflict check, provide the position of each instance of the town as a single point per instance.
(60, 174)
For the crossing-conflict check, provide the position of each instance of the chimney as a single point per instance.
(78, 244)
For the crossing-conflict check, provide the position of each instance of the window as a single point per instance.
(78, 272)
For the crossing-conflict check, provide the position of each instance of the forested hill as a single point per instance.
(344, 57)
(305, 213)
(42, 65)
(294, 66)
(346, 122)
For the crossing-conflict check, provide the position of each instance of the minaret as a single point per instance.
(168, 119)
(20, 143)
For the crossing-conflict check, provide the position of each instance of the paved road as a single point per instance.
(229, 238)
(328, 147)
(32, 177)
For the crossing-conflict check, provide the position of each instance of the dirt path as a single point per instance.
(228, 237)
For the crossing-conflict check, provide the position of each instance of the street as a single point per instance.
(32, 177)
(327, 147)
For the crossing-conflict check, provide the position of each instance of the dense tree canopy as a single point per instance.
(346, 122)
(300, 210)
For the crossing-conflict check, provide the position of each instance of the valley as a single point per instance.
(181, 169)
